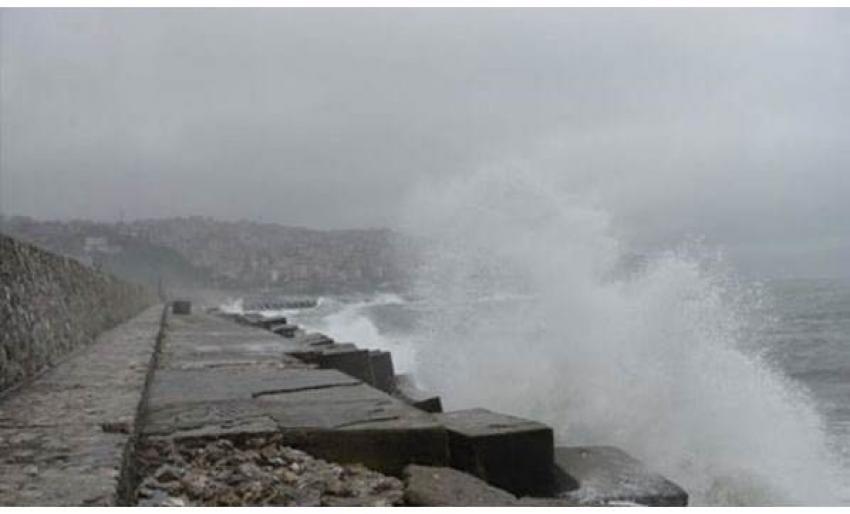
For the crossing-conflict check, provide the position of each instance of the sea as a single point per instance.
(532, 294)
(801, 345)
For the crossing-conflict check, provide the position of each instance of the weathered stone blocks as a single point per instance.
(512, 453)
(429, 486)
(284, 330)
(267, 322)
(607, 475)
(349, 359)
(314, 339)
(183, 307)
(382, 370)
(325, 412)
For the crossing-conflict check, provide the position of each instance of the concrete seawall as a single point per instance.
(230, 402)
(182, 406)
(52, 305)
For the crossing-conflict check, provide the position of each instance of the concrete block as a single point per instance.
(407, 391)
(387, 450)
(311, 353)
(183, 307)
(357, 423)
(284, 330)
(386, 446)
(348, 359)
(607, 475)
(511, 453)
(182, 386)
(429, 486)
(268, 322)
(249, 318)
(382, 370)
(348, 422)
(314, 339)
(325, 412)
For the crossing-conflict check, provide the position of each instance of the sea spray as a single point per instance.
(655, 361)
(351, 322)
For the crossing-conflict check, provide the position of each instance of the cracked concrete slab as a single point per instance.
(221, 384)
(325, 412)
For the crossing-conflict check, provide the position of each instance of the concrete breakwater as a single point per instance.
(51, 305)
(261, 412)
(179, 406)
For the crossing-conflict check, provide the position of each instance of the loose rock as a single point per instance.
(435, 487)
(260, 471)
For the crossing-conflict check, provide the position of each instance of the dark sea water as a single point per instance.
(810, 341)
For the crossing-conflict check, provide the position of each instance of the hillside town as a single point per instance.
(203, 252)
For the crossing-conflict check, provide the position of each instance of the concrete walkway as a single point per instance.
(62, 437)
(216, 378)
(238, 415)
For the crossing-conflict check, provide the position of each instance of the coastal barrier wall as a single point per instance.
(228, 408)
(51, 305)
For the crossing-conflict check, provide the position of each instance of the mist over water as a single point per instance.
(527, 303)
(528, 311)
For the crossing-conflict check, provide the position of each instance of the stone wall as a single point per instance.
(51, 305)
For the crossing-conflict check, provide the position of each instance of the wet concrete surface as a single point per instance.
(54, 449)
(220, 379)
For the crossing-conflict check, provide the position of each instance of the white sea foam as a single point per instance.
(520, 313)
(655, 363)
(351, 322)
(237, 306)
(232, 306)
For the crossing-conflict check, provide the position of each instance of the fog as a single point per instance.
(732, 125)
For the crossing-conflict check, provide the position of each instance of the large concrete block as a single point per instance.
(382, 370)
(406, 390)
(312, 352)
(332, 416)
(511, 453)
(429, 486)
(349, 359)
(387, 447)
(607, 475)
(184, 386)
(358, 424)
(284, 330)
(267, 322)
(249, 318)
(182, 307)
(329, 413)
(314, 339)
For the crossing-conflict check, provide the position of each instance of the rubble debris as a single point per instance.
(257, 471)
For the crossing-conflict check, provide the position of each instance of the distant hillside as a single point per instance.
(248, 254)
(203, 252)
(107, 246)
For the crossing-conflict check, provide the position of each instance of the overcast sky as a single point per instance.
(734, 124)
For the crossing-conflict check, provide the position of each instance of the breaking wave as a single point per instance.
(353, 321)
(653, 359)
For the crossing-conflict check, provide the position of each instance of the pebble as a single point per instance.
(259, 471)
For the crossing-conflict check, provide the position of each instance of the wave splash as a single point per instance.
(351, 321)
(654, 361)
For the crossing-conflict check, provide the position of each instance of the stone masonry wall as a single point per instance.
(51, 305)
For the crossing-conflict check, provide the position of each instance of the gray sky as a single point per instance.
(734, 124)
